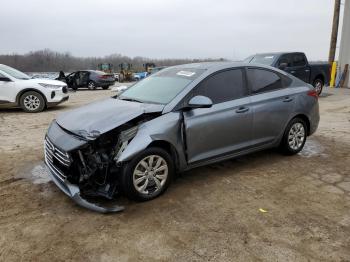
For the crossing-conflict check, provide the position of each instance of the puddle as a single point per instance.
(312, 148)
(37, 174)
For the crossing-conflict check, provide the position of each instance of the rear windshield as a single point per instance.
(163, 86)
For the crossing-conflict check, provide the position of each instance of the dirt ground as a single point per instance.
(208, 214)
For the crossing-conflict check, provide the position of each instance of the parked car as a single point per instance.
(180, 118)
(116, 77)
(139, 76)
(32, 95)
(317, 74)
(90, 79)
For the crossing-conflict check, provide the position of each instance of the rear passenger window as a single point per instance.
(223, 86)
(261, 80)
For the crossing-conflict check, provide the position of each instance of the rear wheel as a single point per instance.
(105, 87)
(91, 85)
(32, 102)
(318, 85)
(294, 137)
(148, 175)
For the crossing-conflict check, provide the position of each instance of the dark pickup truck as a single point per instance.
(317, 74)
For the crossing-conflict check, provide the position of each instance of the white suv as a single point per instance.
(32, 95)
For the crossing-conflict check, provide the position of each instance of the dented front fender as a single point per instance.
(166, 128)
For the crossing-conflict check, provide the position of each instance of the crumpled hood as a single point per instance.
(92, 120)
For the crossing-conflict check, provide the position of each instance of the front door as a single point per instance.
(7, 91)
(299, 68)
(224, 128)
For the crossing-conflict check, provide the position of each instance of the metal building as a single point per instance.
(344, 52)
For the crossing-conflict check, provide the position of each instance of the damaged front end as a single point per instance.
(84, 168)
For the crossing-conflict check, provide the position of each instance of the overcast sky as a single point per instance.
(231, 29)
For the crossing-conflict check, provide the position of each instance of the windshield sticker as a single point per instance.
(268, 57)
(186, 73)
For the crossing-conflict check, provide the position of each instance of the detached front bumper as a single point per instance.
(73, 192)
(53, 154)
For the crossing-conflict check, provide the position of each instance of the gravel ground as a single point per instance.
(261, 207)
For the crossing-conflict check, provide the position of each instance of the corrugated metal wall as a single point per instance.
(344, 52)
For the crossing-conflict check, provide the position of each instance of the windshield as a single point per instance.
(162, 87)
(262, 59)
(13, 72)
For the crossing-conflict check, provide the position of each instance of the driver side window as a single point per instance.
(222, 86)
(286, 59)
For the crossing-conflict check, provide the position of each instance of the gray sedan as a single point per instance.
(177, 119)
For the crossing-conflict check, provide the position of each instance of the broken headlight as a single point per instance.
(124, 139)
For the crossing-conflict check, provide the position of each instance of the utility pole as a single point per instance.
(334, 36)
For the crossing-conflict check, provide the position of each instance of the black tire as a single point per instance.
(127, 181)
(105, 87)
(91, 85)
(318, 85)
(32, 102)
(286, 142)
(74, 88)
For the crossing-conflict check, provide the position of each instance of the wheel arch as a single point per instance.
(306, 119)
(167, 146)
(137, 145)
(319, 76)
(28, 90)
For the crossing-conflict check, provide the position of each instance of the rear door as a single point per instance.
(225, 127)
(272, 104)
(300, 68)
(84, 76)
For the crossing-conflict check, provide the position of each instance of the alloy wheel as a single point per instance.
(91, 85)
(150, 175)
(31, 102)
(296, 136)
(318, 86)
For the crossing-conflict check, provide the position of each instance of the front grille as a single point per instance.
(56, 158)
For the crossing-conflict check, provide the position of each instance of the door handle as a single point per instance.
(287, 99)
(242, 110)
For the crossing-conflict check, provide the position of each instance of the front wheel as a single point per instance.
(148, 175)
(294, 137)
(318, 85)
(105, 87)
(32, 102)
(91, 85)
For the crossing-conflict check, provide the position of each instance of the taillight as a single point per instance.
(104, 76)
(312, 93)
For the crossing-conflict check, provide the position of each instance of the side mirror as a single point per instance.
(283, 66)
(5, 79)
(200, 102)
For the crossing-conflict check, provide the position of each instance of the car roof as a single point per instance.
(212, 66)
(279, 53)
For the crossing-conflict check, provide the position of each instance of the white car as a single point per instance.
(32, 95)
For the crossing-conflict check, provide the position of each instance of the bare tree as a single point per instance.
(51, 61)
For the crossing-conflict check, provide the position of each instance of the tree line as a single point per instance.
(50, 61)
